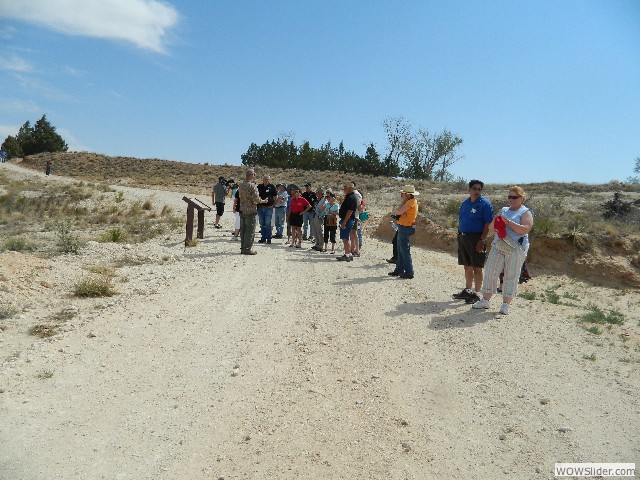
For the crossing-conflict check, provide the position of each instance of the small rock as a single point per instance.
(406, 446)
(235, 372)
(545, 401)
(538, 469)
(91, 335)
(502, 437)
(565, 429)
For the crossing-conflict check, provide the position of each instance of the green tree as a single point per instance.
(45, 138)
(420, 155)
(12, 147)
(38, 139)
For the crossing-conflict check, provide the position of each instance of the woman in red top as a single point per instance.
(297, 207)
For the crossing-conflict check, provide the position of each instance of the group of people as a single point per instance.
(319, 216)
(314, 215)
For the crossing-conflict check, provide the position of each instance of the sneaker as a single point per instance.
(262, 240)
(406, 276)
(481, 304)
(394, 274)
(392, 260)
(504, 309)
(269, 241)
(473, 298)
(250, 252)
(304, 237)
(333, 252)
(277, 236)
(356, 255)
(344, 258)
(463, 295)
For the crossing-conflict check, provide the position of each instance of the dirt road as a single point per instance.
(288, 364)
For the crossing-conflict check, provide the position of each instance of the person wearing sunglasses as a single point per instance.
(475, 216)
(509, 249)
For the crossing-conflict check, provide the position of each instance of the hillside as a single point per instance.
(571, 235)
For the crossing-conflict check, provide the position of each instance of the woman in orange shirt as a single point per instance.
(405, 217)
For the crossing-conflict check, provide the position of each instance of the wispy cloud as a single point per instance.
(15, 64)
(144, 23)
(36, 87)
(19, 107)
(6, 130)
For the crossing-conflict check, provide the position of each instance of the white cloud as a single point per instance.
(72, 142)
(14, 64)
(6, 130)
(20, 107)
(145, 23)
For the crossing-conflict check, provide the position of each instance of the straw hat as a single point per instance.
(410, 189)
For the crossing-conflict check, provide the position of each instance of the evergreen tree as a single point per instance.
(38, 139)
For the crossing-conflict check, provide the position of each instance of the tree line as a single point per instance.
(40, 138)
(413, 154)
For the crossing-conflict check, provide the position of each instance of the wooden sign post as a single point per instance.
(193, 204)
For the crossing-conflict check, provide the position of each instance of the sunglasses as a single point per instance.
(476, 188)
(513, 197)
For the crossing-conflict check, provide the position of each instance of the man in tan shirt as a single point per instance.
(249, 200)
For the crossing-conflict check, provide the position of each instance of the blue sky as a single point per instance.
(538, 90)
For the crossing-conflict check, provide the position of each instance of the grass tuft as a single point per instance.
(94, 287)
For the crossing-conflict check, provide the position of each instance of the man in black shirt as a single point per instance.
(265, 211)
(310, 196)
(347, 212)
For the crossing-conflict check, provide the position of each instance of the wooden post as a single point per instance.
(192, 204)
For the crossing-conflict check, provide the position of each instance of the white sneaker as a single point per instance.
(504, 309)
(483, 303)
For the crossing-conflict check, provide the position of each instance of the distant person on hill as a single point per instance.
(509, 249)
(475, 217)
(405, 217)
(47, 169)
(219, 193)
(249, 200)
(3, 155)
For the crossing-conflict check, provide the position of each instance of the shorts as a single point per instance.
(345, 233)
(467, 254)
(295, 219)
(219, 208)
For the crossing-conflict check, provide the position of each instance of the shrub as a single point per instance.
(597, 315)
(95, 286)
(115, 235)
(17, 244)
(6, 312)
(67, 241)
(616, 207)
(43, 331)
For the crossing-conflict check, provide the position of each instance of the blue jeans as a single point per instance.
(404, 265)
(306, 222)
(264, 217)
(280, 214)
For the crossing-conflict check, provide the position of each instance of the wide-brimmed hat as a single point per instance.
(409, 189)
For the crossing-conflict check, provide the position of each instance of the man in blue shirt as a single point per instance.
(476, 214)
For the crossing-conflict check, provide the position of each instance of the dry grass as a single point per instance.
(44, 331)
(27, 209)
